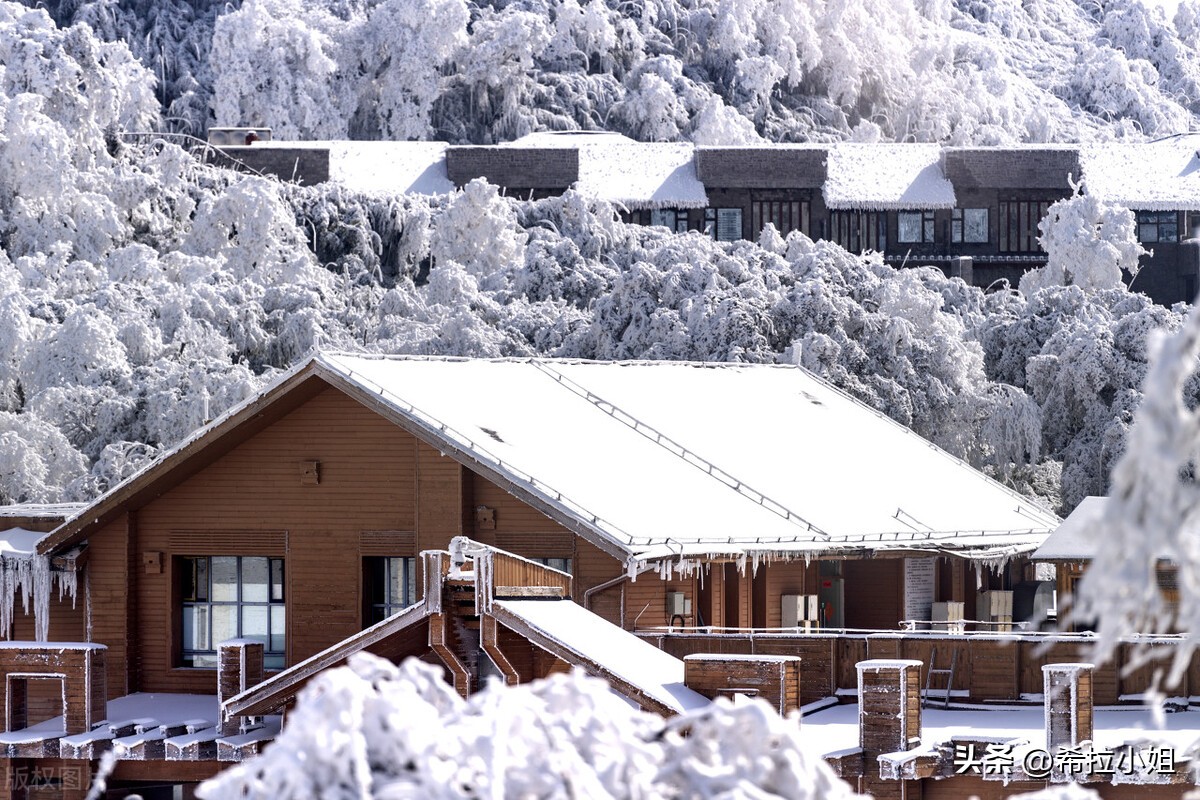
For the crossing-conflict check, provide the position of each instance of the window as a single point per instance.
(969, 225)
(389, 587)
(560, 564)
(232, 597)
(1018, 225)
(914, 227)
(674, 218)
(785, 215)
(1158, 226)
(857, 231)
(723, 224)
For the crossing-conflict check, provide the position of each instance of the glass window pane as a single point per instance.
(201, 565)
(224, 579)
(395, 581)
(278, 629)
(195, 628)
(909, 226)
(410, 586)
(663, 216)
(975, 225)
(254, 623)
(729, 224)
(224, 624)
(1148, 232)
(1168, 232)
(929, 230)
(277, 579)
(255, 580)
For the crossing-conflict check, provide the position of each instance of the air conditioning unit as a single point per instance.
(799, 611)
(947, 616)
(678, 604)
(996, 607)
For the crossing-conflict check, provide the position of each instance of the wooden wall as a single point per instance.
(251, 501)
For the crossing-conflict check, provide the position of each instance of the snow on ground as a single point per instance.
(365, 729)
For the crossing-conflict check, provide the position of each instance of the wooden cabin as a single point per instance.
(971, 211)
(296, 521)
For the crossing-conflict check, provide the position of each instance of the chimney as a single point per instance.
(889, 718)
(239, 666)
(1068, 699)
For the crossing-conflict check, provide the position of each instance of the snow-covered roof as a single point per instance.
(1155, 176)
(403, 167)
(569, 139)
(41, 510)
(1074, 539)
(662, 459)
(621, 654)
(641, 175)
(652, 461)
(19, 542)
(887, 176)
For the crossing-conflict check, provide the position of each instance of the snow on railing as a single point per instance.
(673, 447)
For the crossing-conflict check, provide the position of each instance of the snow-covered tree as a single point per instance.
(365, 728)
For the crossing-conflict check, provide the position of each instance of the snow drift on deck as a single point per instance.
(661, 459)
(621, 654)
(885, 176)
(1157, 176)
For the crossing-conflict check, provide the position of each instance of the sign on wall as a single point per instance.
(919, 574)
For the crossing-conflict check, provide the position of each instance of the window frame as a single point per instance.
(958, 225)
(680, 219)
(376, 610)
(1155, 221)
(1017, 225)
(188, 571)
(926, 230)
(858, 230)
(712, 222)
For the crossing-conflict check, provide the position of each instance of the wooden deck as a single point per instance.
(989, 667)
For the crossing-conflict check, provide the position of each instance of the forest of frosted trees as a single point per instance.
(143, 292)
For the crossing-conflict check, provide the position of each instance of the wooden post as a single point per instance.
(889, 719)
(1068, 699)
(239, 666)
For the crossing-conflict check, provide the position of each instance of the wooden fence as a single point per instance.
(987, 666)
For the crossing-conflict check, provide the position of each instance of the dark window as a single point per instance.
(560, 564)
(674, 218)
(723, 224)
(389, 586)
(914, 227)
(785, 215)
(857, 231)
(969, 225)
(1018, 224)
(232, 597)
(1158, 226)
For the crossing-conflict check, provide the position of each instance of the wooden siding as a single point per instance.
(874, 591)
(251, 501)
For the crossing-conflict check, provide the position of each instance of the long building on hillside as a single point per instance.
(972, 211)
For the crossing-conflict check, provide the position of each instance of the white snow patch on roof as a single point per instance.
(885, 176)
(392, 167)
(1075, 538)
(629, 450)
(1156, 176)
(19, 542)
(641, 175)
(569, 139)
(637, 662)
(47, 510)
